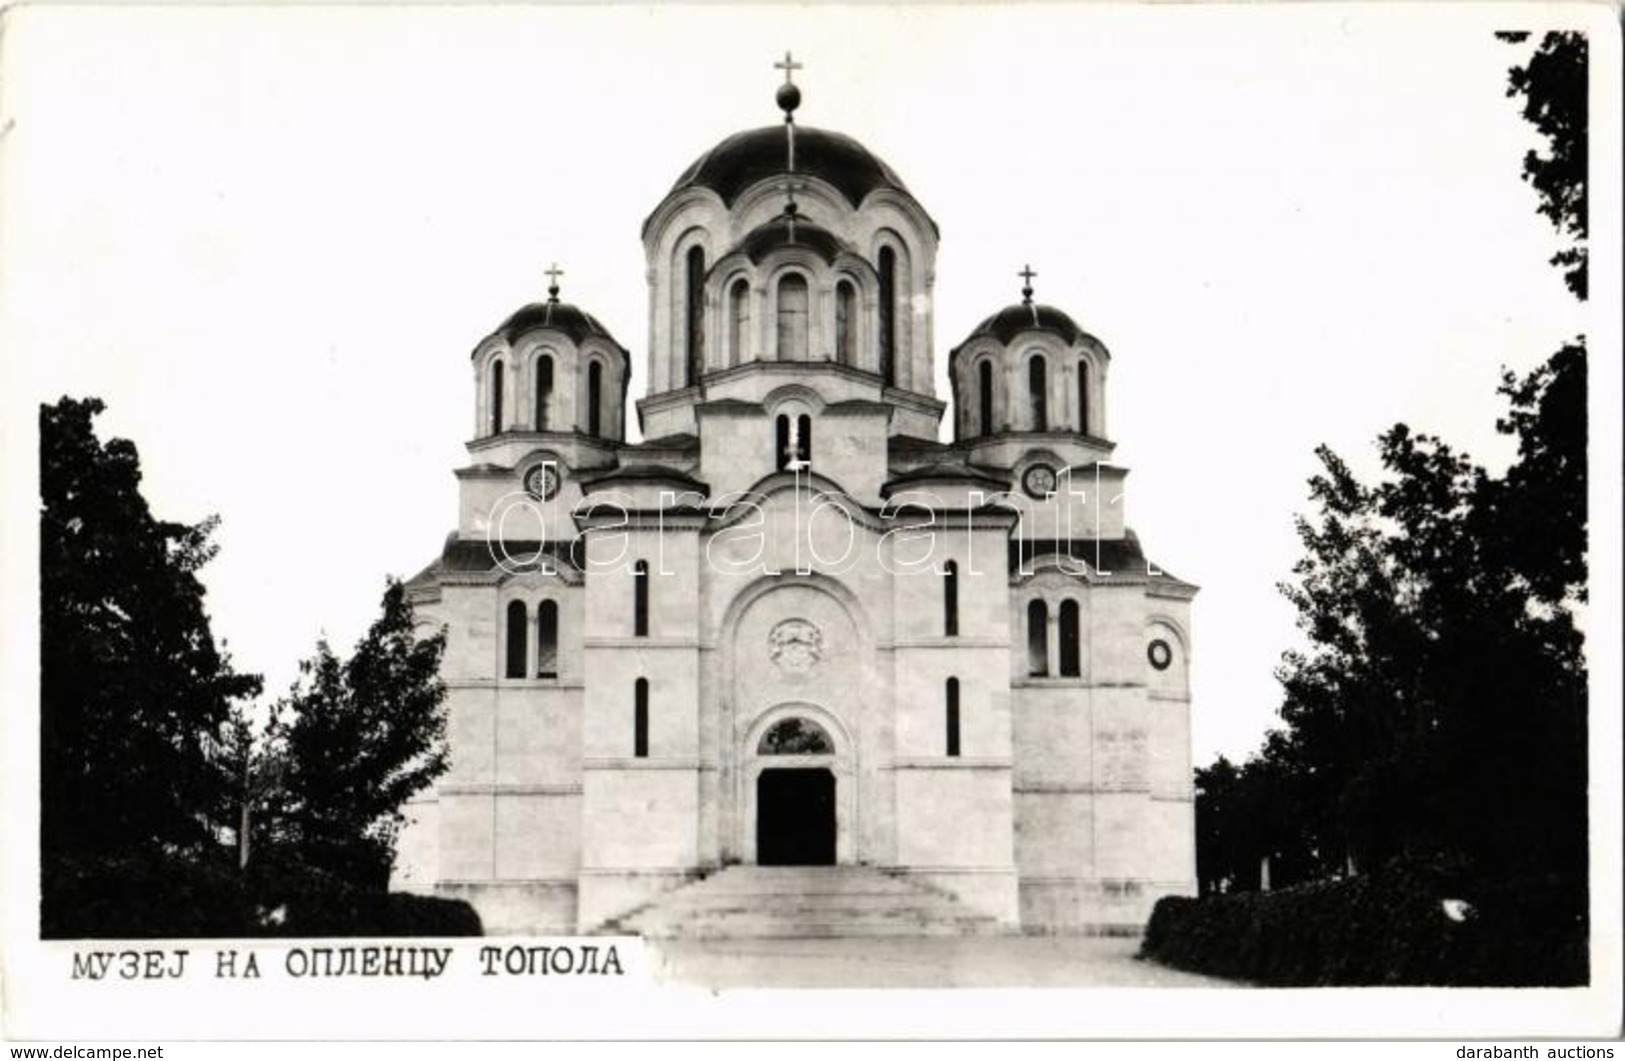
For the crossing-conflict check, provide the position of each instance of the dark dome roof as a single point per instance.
(576, 323)
(745, 158)
(1011, 321)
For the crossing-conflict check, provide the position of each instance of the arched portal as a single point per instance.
(798, 789)
(795, 803)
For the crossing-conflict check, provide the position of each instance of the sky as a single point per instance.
(268, 239)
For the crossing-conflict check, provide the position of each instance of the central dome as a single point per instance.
(745, 158)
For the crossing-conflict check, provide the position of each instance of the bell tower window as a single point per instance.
(1083, 397)
(1037, 639)
(595, 399)
(792, 438)
(516, 640)
(1038, 391)
(547, 640)
(1070, 642)
(887, 267)
(950, 599)
(695, 312)
(793, 318)
(984, 396)
(499, 370)
(951, 695)
(544, 390)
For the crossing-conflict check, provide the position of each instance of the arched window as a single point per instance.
(696, 315)
(595, 399)
(640, 719)
(516, 639)
(952, 697)
(1037, 639)
(1083, 397)
(846, 324)
(738, 321)
(544, 390)
(499, 371)
(1070, 644)
(795, 736)
(640, 599)
(984, 395)
(804, 439)
(950, 599)
(782, 453)
(547, 640)
(793, 318)
(1038, 391)
(886, 266)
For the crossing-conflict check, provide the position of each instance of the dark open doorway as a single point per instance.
(795, 817)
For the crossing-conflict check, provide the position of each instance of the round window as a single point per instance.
(1159, 654)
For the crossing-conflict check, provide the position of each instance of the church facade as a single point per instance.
(791, 625)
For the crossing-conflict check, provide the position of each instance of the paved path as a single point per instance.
(1002, 961)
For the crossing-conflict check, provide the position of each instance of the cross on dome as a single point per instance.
(553, 273)
(1027, 275)
(788, 96)
(789, 66)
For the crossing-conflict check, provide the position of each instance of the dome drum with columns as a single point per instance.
(996, 675)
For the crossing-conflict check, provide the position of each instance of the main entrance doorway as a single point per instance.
(795, 817)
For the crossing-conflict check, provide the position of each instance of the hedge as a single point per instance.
(1388, 928)
(151, 896)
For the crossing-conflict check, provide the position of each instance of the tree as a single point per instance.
(361, 738)
(133, 690)
(1440, 704)
(1554, 89)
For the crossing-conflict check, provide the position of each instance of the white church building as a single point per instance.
(792, 626)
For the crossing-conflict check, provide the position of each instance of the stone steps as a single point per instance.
(803, 902)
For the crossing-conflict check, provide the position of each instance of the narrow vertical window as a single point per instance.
(516, 640)
(950, 599)
(595, 399)
(846, 324)
(640, 599)
(984, 395)
(782, 453)
(1071, 653)
(696, 315)
(547, 640)
(804, 439)
(544, 390)
(887, 268)
(793, 318)
(951, 695)
(499, 370)
(640, 719)
(1038, 391)
(738, 321)
(1083, 397)
(1037, 639)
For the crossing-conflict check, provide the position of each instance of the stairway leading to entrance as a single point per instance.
(791, 902)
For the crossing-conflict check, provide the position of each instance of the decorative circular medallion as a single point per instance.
(1039, 481)
(542, 482)
(1159, 654)
(795, 646)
